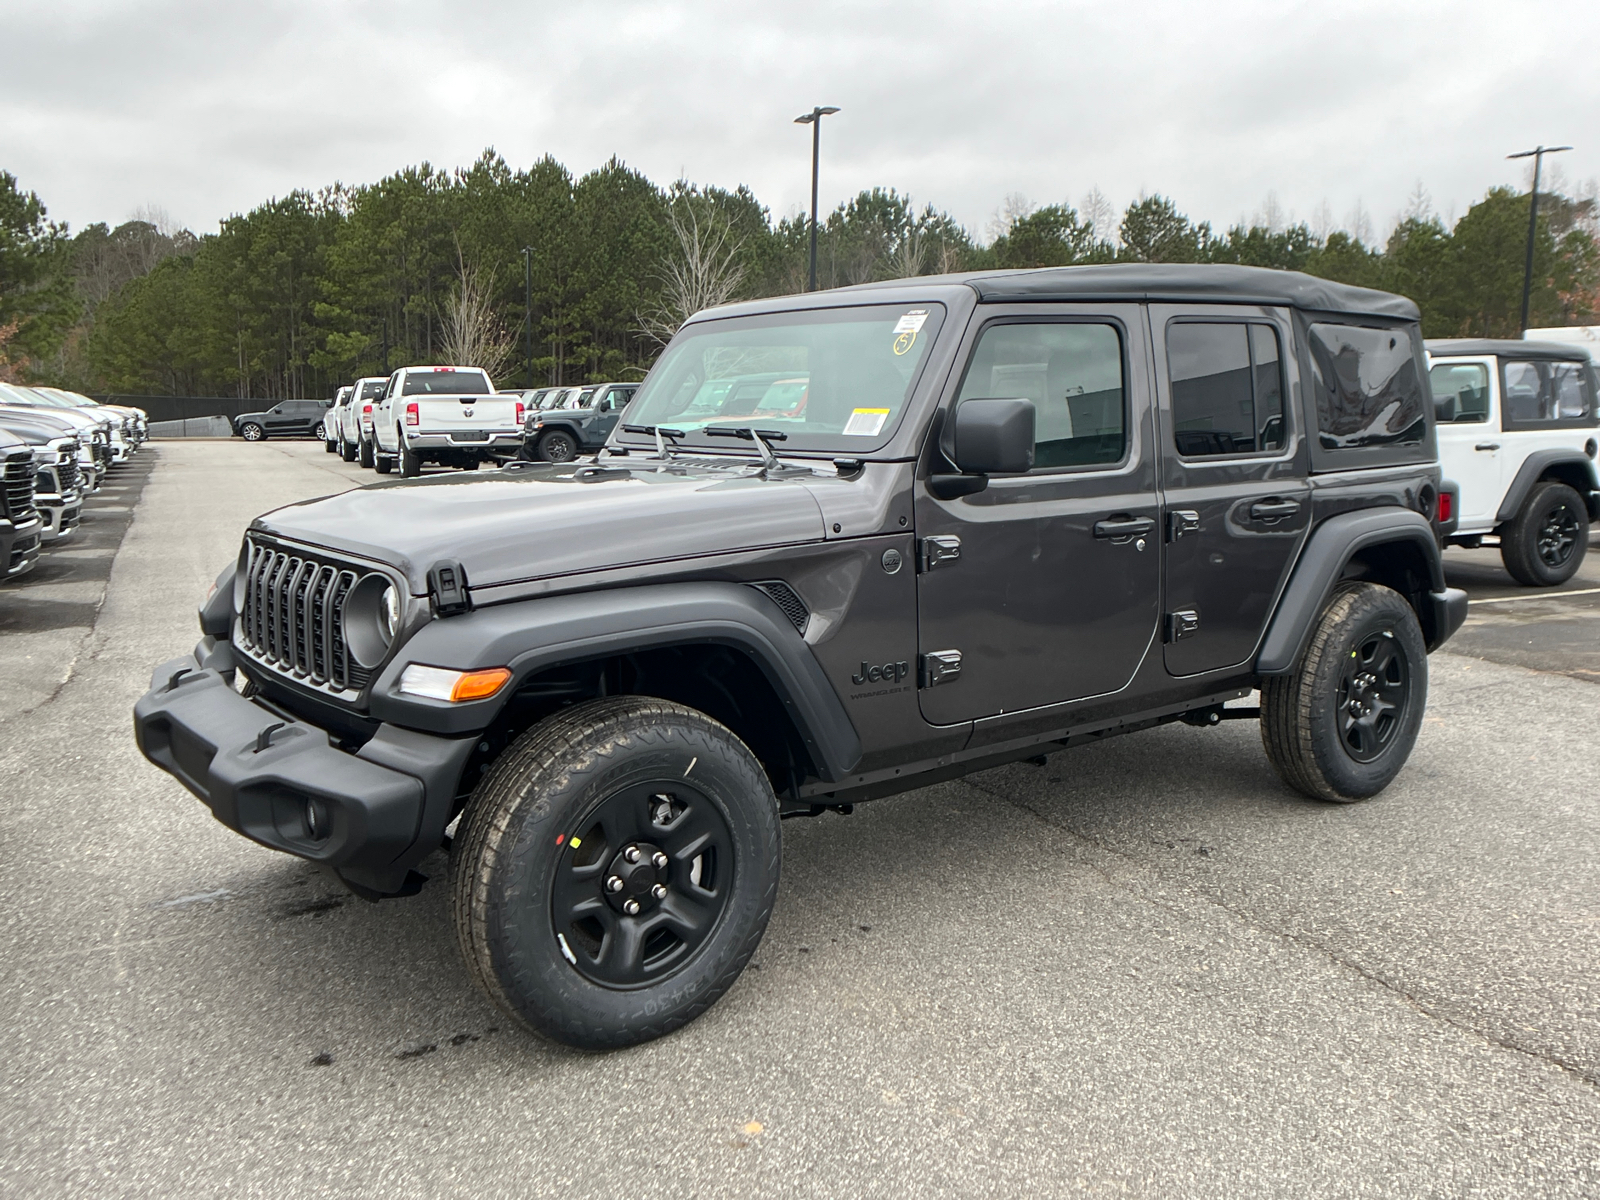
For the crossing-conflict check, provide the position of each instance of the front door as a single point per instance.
(1044, 587)
(1234, 470)
(281, 418)
(1471, 449)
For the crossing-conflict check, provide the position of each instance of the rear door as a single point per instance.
(1471, 450)
(1045, 587)
(1237, 502)
(282, 418)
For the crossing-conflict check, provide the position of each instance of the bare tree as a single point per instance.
(1016, 207)
(704, 273)
(474, 334)
(1419, 205)
(1096, 212)
(1359, 223)
(1322, 223)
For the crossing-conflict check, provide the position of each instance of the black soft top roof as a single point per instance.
(1218, 282)
(1506, 348)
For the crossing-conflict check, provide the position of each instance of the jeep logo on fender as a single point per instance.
(891, 672)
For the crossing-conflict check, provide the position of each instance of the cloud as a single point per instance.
(206, 109)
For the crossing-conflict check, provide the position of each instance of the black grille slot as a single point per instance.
(292, 618)
(787, 600)
(18, 481)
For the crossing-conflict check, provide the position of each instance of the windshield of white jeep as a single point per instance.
(445, 381)
(834, 380)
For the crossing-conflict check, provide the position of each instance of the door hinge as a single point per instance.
(938, 666)
(941, 548)
(1184, 623)
(1181, 521)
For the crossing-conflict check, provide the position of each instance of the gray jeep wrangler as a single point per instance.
(968, 520)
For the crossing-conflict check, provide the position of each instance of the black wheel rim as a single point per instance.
(1374, 691)
(671, 851)
(557, 449)
(1558, 536)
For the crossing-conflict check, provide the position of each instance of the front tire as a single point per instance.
(381, 462)
(556, 447)
(1544, 544)
(545, 842)
(1341, 727)
(251, 432)
(347, 452)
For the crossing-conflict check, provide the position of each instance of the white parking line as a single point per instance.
(1537, 596)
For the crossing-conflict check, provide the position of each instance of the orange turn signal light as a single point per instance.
(479, 685)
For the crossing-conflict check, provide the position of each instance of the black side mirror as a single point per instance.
(992, 437)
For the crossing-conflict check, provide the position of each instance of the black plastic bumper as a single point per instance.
(369, 816)
(1449, 611)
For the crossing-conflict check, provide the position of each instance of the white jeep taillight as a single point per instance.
(413, 415)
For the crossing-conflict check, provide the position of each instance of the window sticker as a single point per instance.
(906, 329)
(866, 422)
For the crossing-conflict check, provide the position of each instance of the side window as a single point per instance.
(1367, 387)
(1460, 392)
(1073, 374)
(1227, 388)
(1545, 393)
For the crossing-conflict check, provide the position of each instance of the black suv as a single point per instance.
(560, 434)
(288, 418)
(847, 544)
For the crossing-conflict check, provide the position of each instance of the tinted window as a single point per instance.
(373, 388)
(441, 381)
(1545, 393)
(1227, 388)
(1368, 389)
(1073, 375)
(1460, 391)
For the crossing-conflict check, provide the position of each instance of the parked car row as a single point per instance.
(56, 447)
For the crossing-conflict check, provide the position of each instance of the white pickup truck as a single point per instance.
(446, 415)
(1518, 425)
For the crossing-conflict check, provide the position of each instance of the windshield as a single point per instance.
(831, 379)
(445, 381)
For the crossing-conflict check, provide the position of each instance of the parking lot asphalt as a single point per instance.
(1144, 968)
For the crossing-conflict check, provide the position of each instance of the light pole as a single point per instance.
(527, 312)
(814, 119)
(1537, 154)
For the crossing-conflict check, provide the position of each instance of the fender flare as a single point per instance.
(1534, 466)
(1329, 548)
(531, 636)
(564, 425)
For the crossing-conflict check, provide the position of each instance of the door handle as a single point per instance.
(1274, 510)
(1118, 528)
(1487, 446)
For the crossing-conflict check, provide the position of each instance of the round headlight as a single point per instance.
(389, 613)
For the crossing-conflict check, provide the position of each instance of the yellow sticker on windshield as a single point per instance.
(865, 422)
(904, 341)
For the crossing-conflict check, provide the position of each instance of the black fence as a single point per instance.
(178, 408)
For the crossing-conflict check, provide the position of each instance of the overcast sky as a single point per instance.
(208, 108)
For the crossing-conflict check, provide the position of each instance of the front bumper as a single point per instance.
(368, 817)
(1449, 610)
(19, 547)
(60, 515)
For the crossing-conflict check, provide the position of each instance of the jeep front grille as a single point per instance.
(18, 481)
(292, 619)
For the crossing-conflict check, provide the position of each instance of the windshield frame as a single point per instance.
(837, 445)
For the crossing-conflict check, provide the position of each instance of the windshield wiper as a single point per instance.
(759, 436)
(660, 432)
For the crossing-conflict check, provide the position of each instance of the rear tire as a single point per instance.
(364, 454)
(540, 930)
(319, 431)
(1544, 544)
(410, 463)
(1341, 727)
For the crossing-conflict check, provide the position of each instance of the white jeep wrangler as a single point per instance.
(1517, 429)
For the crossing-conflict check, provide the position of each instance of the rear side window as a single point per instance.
(446, 383)
(1227, 388)
(1073, 374)
(1367, 386)
(1535, 394)
(1460, 392)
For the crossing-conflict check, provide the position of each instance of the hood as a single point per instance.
(17, 419)
(546, 520)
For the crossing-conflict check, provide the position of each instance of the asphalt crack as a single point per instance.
(1328, 953)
